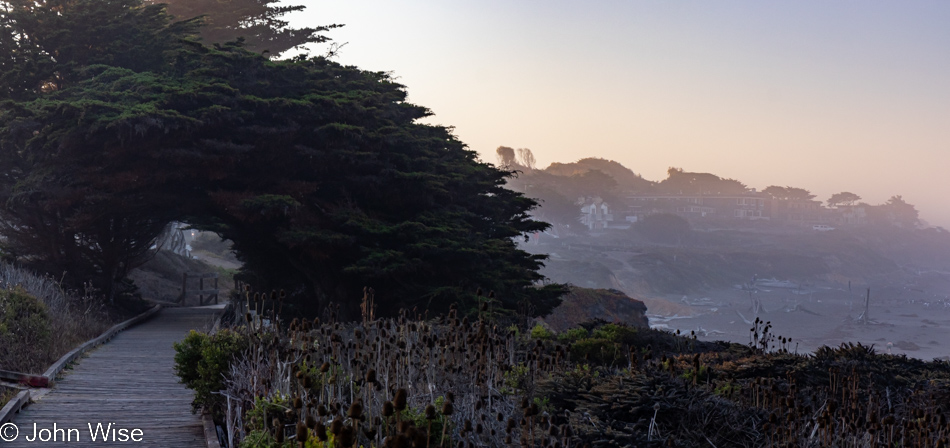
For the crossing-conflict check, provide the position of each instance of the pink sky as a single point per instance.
(827, 96)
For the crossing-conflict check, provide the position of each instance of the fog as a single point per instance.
(830, 97)
(709, 255)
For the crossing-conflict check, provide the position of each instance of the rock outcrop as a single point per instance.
(584, 304)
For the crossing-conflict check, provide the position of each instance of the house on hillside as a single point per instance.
(798, 211)
(595, 213)
(746, 206)
(847, 215)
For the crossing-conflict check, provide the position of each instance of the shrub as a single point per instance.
(604, 345)
(573, 335)
(515, 379)
(541, 332)
(202, 362)
(620, 334)
(25, 333)
(265, 410)
(597, 351)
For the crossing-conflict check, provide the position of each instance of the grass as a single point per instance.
(60, 319)
(6, 394)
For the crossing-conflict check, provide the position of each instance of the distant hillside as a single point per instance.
(626, 178)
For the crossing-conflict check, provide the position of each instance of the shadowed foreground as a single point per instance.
(129, 382)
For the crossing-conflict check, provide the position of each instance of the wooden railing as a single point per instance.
(45, 380)
(201, 292)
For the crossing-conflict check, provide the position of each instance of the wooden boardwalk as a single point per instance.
(129, 382)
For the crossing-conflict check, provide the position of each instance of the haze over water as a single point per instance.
(827, 96)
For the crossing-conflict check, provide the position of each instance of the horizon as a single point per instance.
(828, 97)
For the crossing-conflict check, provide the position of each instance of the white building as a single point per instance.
(595, 213)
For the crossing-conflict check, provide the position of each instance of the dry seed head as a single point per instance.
(447, 408)
(532, 409)
(321, 431)
(347, 436)
(336, 426)
(430, 412)
(388, 409)
(399, 402)
(356, 411)
(302, 433)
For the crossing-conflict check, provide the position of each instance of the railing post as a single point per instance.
(184, 287)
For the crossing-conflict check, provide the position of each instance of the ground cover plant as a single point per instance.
(471, 380)
(40, 321)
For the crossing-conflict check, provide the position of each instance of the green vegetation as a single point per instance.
(321, 174)
(258, 22)
(7, 394)
(24, 329)
(39, 321)
(539, 331)
(603, 384)
(573, 335)
(202, 362)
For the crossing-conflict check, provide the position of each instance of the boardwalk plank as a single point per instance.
(129, 382)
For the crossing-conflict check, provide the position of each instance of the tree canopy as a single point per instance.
(788, 193)
(896, 211)
(259, 22)
(626, 179)
(683, 182)
(843, 198)
(320, 174)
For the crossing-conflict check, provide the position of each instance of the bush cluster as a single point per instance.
(25, 331)
(202, 361)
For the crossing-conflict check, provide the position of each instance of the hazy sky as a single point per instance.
(823, 95)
